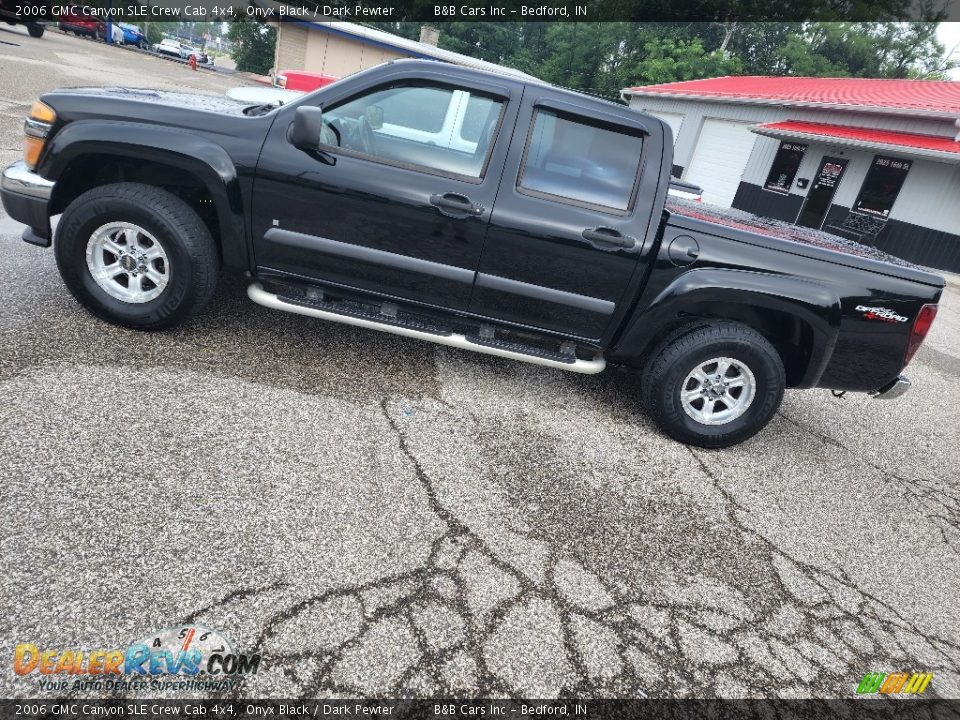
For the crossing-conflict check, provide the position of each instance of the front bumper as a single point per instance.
(892, 390)
(26, 198)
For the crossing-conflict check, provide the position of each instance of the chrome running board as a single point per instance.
(260, 296)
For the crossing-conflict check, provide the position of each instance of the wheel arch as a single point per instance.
(196, 170)
(799, 317)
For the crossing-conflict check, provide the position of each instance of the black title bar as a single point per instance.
(439, 11)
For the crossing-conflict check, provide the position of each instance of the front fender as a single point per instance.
(692, 293)
(186, 151)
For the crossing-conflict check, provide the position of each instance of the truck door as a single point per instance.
(571, 219)
(392, 204)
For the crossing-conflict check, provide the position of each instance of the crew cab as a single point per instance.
(480, 210)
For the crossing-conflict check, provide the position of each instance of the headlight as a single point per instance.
(281, 81)
(36, 128)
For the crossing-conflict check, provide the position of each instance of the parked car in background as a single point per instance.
(687, 191)
(175, 48)
(168, 47)
(81, 21)
(10, 14)
(132, 35)
(186, 51)
(302, 81)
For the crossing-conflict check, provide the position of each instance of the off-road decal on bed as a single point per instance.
(880, 313)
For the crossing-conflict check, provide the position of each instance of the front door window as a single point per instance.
(428, 127)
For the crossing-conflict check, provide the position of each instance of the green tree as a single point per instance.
(253, 46)
(902, 50)
(154, 31)
(874, 50)
(603, 58)
(671, 60)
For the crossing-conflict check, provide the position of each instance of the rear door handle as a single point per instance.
(605, 238)
(456, 205)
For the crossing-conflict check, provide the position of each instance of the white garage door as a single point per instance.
(720, 155)
(674, 120)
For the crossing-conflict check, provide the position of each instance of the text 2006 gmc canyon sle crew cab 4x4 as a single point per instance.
(481, 210)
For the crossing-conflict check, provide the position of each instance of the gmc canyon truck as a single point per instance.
(484, 211)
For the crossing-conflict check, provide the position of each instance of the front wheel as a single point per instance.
(36, 31)
(714, 386)
(136, 255)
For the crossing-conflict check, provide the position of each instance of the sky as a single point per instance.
(949, 34)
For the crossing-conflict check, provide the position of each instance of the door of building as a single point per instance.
(820, 197)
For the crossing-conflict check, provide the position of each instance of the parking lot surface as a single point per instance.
(385, 517)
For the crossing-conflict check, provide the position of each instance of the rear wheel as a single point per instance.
(714, 386)
(35, 31)
(136, 255)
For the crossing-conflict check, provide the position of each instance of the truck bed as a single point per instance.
(777, 230)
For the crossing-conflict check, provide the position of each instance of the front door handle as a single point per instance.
(606, 238)
(456, 205)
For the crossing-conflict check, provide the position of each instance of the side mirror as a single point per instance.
(374, 115)
(305, 129)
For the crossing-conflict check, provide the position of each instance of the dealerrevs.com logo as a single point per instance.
(186, 657)
(898, 683)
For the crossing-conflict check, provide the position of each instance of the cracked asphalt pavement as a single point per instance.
(383, 517)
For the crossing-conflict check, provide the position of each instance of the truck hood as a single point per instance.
(262, 95)
(124, 97)
(211, 115)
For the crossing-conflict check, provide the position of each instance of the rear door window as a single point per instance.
(574, 160)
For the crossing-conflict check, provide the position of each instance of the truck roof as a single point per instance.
(504, 74)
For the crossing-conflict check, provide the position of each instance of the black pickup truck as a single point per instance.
(481, 210)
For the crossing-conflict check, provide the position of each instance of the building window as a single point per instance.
(785, 166)
(602, 172)
(883, 183)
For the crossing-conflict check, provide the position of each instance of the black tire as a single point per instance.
(669, 366)
(192, 253)
(36, 31)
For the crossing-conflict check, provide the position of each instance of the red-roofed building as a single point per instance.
(873, 160)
